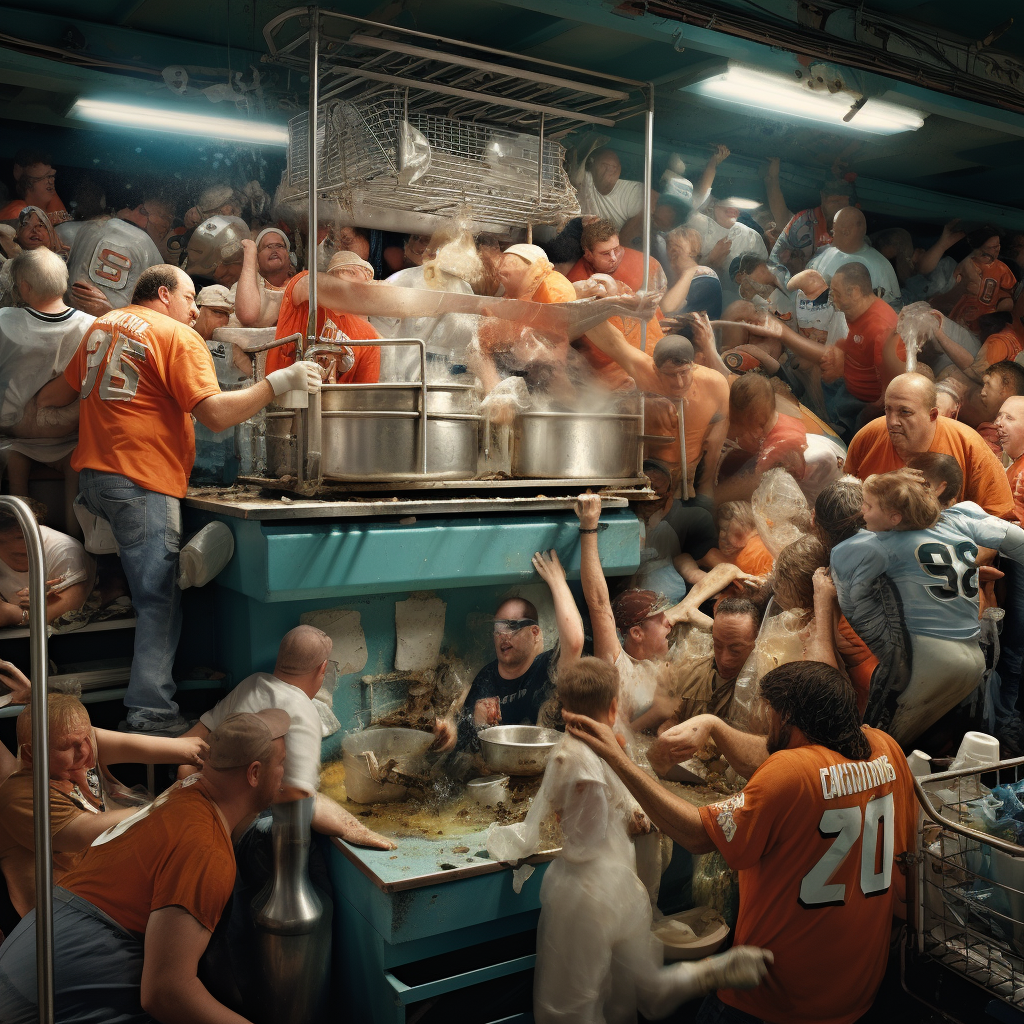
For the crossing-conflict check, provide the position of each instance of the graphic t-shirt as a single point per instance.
(815, 838)
(140, 374)
(519, 699)
(111, 255)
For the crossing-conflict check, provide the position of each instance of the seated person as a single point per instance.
(266, 270)
(596, 957)
(356, 365)
(512, 689)
(705, 686)
(302, 663)
(83, 799)
(696, 288)
(70, 570)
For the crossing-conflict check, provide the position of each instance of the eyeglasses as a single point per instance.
(32, 180)
(280, 246)
(511, 625)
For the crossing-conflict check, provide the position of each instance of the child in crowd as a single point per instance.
(597, 960)
(738, 539)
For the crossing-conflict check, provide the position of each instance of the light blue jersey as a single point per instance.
(933, 570)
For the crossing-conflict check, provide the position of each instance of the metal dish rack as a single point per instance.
(969, 893)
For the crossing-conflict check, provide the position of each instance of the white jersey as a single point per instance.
(34, 348)
(111, 255)
(623, 202)
(742, 239)
(884, 282)
(933, 570)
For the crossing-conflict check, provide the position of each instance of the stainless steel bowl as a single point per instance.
(517, 749)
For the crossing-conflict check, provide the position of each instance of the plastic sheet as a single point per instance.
(780, 510)
(916, 325)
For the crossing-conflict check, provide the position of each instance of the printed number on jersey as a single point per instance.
(120, 378)
(110, 268)
(953, 565)
(850, 825)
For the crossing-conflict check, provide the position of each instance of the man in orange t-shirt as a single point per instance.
(912, 424)
(333, 327)
(35, 179)
(133, 919)
(141, 373)
(604, 254)
(819, 836)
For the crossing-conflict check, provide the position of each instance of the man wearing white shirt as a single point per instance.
(604, 193)
(723, 239)
(850, 246)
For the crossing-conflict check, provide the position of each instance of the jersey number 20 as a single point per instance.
(848, 825)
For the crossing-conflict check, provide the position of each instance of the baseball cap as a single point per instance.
(631, 607)
(530, 253)
(347, 258)
(246, 737)
(215, 296)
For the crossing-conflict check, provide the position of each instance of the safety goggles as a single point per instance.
(512, 625)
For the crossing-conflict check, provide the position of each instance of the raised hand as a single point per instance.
(588, 509)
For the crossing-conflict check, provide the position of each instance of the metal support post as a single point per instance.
(648, 185)
(40, 747)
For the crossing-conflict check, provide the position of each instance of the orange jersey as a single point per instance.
(706, 402)
(863, 372)
(1014, 474)
(784, 445)
(997, 283)
(174, 852)
(815, 838)
(54, 209)
(1005, 344)
(331, 326)
(554, 288)
(859, 661)
(140, 375)
(630, 271)
(754, 558)
(985, 483)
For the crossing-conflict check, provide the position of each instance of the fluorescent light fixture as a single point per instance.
(739, 204)
(772, 94)
(179, 122)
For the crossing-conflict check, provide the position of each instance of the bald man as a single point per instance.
(303, 662)
(849, 245)
(912, 424)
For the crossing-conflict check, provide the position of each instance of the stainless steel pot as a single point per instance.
(372, 431)
(517, 749)
(576, 445)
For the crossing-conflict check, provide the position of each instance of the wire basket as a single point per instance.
(492, 170)
(969, 899)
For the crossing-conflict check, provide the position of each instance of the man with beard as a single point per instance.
(912, 424)
(818, 835)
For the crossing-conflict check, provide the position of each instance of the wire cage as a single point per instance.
(969, 900)
(376, 154)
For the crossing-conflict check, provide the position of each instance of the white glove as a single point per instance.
(300, 376)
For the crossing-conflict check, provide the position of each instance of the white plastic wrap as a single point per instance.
(780, 510)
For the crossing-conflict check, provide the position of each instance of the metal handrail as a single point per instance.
(40, 753)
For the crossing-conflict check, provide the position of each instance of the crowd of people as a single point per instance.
(834, 442)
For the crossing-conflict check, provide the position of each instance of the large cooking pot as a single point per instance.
(407, 746)
(576, 445)
(372, 432)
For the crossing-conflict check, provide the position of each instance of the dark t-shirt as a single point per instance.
(520, 698)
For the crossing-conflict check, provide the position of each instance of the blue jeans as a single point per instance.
(147, 528)
(97, 967)
(714, 1011)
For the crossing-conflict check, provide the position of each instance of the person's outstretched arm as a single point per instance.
(820, 646)
(744, 751)
(114, 747)
(595, 586)
(567, 616)
(951, 234)
(674, 816)
(776, 200)
(247, 294)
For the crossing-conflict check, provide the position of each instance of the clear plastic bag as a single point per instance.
(780, 510)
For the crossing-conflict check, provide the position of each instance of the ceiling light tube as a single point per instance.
(772, 94)
(179, 122)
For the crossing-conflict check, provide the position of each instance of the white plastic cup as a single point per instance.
(976, 749)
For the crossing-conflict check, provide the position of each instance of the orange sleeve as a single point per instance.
(1006, 278)
(996, 349)
(367, 366)
(193, 376)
